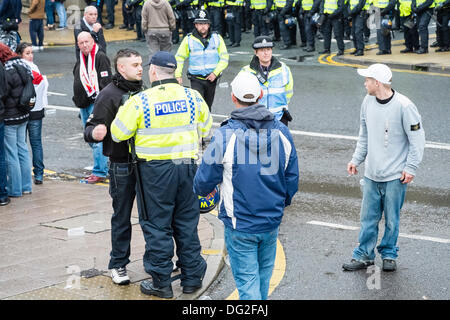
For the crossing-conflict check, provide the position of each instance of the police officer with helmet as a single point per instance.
(166, 121)
(332, 10)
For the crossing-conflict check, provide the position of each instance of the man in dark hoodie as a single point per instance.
(127, 80)
(253, 158)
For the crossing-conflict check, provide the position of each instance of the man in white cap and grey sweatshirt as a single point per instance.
(391, 142)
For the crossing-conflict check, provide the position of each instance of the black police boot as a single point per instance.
(406, 50)
(359, 53)
(148, 288)
(324, 51)
(190, 289)
(309, 49)
(340, 53)
(285, 47)
(422, 51)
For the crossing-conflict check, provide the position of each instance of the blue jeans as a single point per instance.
(3, 192)
(17, 159)
(61, 11)
(252, 257)
(34, 128)
(49, 11)
(37, 31)
(379, 197)
(100, 161)
(122, 189)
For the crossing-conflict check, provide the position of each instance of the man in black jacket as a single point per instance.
(4, 199)
(89, 24)
(122, 180)
(91, 73)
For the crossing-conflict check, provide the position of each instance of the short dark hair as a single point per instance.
(125, 53)
(247, 104)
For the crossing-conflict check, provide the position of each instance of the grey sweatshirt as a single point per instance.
(391, 138)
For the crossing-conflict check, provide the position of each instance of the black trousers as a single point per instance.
(443, 31)
(411, 35)
(206, 88)
(259, 25)
(334, 24)
(122, 189)
(173, 214)
(358, 22)
(234, 26)
(423, 20)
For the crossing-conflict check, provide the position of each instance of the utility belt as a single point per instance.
(191, 76)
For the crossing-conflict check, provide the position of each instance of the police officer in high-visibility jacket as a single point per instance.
(358, 13)
(383, 35)
(424, 11)
(275, 79)
(208, 57)
(442, 27)
(236, 9)
(166, 121)
(332, 9)
(409, 27)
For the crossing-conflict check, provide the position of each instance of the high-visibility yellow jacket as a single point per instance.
(166, 121)
(202, 61)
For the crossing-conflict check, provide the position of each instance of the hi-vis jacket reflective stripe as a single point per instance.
(166, 121)
(218, 3)
(277, 90)
(307, 4)
(354, 3)
(380, 3)
(235, 3)
(330, 6)
(258, 4)
(202, 61)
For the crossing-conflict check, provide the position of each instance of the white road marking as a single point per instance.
(429, 144)
(403, 235)
(50, 93)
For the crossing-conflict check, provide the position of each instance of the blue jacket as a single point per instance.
(255, 185)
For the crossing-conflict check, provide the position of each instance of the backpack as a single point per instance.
(28, 97)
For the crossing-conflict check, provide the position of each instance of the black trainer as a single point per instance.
(389, 265)
(357, 265)
(148, 288)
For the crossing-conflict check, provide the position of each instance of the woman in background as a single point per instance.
(34, 126)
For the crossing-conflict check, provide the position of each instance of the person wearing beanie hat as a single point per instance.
(274, 76)
(254, 187)
(391, 143)
(166, 122)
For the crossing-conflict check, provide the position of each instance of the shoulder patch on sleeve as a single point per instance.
(103, 74)
(415, 127)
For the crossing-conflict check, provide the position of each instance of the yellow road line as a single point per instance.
(279, 270)
(330, 61)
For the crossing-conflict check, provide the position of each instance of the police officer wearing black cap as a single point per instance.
(167, 121)
(275, 79)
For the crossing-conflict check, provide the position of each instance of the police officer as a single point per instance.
(383, 37)
(166, 121)
(357, 14)
(259, 11)
(274, 76)
(442, 29)
(235, 7)
(186, 14)
(284, 11)
(424, 11)
(215, 10)
(208, 57)
(409, 27)
(307, 8)
(332, 9)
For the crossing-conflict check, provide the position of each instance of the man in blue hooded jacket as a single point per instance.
(253, 158)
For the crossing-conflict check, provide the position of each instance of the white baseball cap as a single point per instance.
(245, 87)
(378, 71)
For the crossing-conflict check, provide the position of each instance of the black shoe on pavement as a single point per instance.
(389, 265)
(309, 49)
(148, 288)
(123, 26)
(235, 45)
(359, 53)
(407, 50)
(442, 49)
(357, 265)
(435, 44)
(190, 289)
(324, 51)
(36, 181)
(5, 201)
(340, 53)
(285, 47)
(422, 51)
(109, 26)
(303, 44)
(382, 52)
